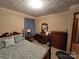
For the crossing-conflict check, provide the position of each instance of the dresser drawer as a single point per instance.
(59, 40)
(59, 46)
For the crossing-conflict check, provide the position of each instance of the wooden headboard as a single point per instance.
(5, 35)
(14, 33)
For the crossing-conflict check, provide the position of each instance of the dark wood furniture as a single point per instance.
(29, 38)
(5, 35)
(42, 38)
(14, 33)
(59, 40)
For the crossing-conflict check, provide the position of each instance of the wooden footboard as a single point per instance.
(48, 55)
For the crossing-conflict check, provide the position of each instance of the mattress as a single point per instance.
(23, 50)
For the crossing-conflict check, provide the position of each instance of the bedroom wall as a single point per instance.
(56, 22)
(11, 21)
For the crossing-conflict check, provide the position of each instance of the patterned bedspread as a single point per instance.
(23, 50)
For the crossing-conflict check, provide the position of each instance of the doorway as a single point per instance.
(75, 35)
(29, 25)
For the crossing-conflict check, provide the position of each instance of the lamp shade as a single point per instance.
(47, 33)
(28, 30)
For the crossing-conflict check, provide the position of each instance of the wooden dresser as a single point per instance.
(59, 40)
(44, 39)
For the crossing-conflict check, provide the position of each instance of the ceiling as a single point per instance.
(50, 6)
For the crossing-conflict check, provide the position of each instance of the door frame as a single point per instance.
(74, 29)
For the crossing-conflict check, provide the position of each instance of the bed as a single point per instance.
(24, 50)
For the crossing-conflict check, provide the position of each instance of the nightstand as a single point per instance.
(29, 38)
(44, 39)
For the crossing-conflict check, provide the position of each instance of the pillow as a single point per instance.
(2, 43)
(9, 41)
(18, 38)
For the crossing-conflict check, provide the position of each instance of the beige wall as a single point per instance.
(11, 21)
(56, 22)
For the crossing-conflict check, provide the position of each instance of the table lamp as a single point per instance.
(28, 32)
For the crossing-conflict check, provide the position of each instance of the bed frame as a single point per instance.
(5, 35)
(48, 54)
